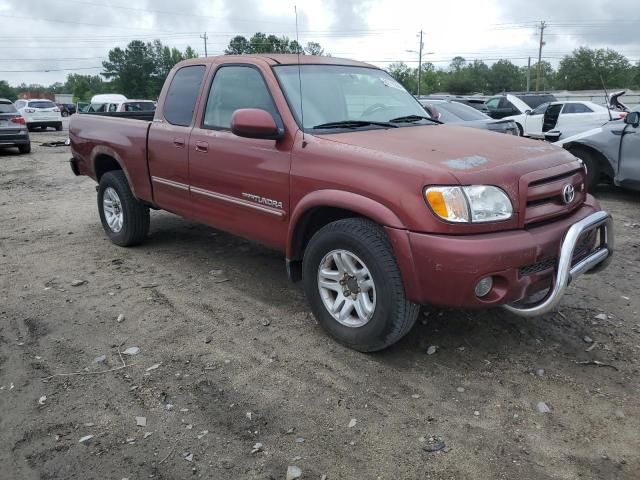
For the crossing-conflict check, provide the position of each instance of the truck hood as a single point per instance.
(470, 155)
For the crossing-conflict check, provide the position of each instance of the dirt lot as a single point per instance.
(240, 361)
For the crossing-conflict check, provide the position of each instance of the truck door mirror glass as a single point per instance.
(255, 123)
(633, 119)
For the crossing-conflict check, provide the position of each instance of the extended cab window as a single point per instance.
(180, 102)
(235, 87)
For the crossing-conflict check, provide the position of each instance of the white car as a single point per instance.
(40, 113)
(562, 117)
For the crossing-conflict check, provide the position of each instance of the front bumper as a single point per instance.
(444, 269)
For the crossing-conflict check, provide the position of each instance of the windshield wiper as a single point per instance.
(413, 118)
(353, 124)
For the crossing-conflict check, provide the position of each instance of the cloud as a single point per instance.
(349, 15)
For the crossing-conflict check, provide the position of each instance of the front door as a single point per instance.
(629, 161)
(169, 139)
(240, 185)
(533, 121)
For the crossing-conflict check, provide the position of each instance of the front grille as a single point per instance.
(583, 247)
(544, 198)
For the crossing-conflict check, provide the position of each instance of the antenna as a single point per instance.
(606, 97)
(295, 9)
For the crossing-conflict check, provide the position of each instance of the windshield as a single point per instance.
(461, 111)
(336, 93)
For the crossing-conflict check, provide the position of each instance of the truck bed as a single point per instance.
(117, 135)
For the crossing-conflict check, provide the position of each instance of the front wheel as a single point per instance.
(58, 127)
(593, 167)
(353, 284)
(26, 148)
(124, 218)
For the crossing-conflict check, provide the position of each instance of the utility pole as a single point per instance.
(538, 67)
(420, 63)
(529, 75)
(204, 37)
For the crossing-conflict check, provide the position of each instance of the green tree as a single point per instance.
(83, 87)
(7, 91)
(140, 69)
(263, 43)
(314, 48)
(505, 76)
(587, 68)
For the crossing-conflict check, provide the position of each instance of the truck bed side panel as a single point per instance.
(95, 137)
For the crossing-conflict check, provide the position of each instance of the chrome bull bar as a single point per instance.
(565, 272)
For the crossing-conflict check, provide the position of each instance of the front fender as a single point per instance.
(340, 199)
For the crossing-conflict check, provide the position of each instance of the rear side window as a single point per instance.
(42, 104)
(7, 107)
(180, 102)
(493, 103)
(576, 108)
(233, 88)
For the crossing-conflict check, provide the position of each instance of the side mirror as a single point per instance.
(255, 123)
(633, 119)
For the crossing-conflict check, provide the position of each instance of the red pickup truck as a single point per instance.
(377, 207)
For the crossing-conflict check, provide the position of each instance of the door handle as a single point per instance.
(179, 142)
(202, 147)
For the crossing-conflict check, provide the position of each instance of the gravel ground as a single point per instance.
(235, 380)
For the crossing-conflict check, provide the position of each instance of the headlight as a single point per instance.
(475, 203)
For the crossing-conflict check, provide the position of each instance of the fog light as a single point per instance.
(483, 287)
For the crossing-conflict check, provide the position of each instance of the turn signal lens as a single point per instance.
(448, 203)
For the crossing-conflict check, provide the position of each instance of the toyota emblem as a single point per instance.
(568, 193)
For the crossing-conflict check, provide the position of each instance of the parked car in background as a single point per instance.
(116, 103)
(41, 113)
(507, 105)
(476, 102)
(610, 152)
(453, 112)
(566, 118)
(13, 128)
(66, 109)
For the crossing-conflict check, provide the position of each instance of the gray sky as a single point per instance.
(67, 36)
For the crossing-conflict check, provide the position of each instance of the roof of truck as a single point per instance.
(281, 59)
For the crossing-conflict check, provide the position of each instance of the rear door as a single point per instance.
(239, 184)
(167, 145)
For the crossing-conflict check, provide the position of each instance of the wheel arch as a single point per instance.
(604, 161)
(322, 207)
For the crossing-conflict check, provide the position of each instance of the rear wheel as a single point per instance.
(593, 167)
(59, 127)
(65, 113)
(353, 285)
(124, 218)
(25, 148)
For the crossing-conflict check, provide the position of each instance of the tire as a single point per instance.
(392, 315)
(59, 127)
(65, 114)
(520, 130)
(593, 167)
(133, 226)
(25, 148)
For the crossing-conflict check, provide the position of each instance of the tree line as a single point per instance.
(583, 69)
(139, 71)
